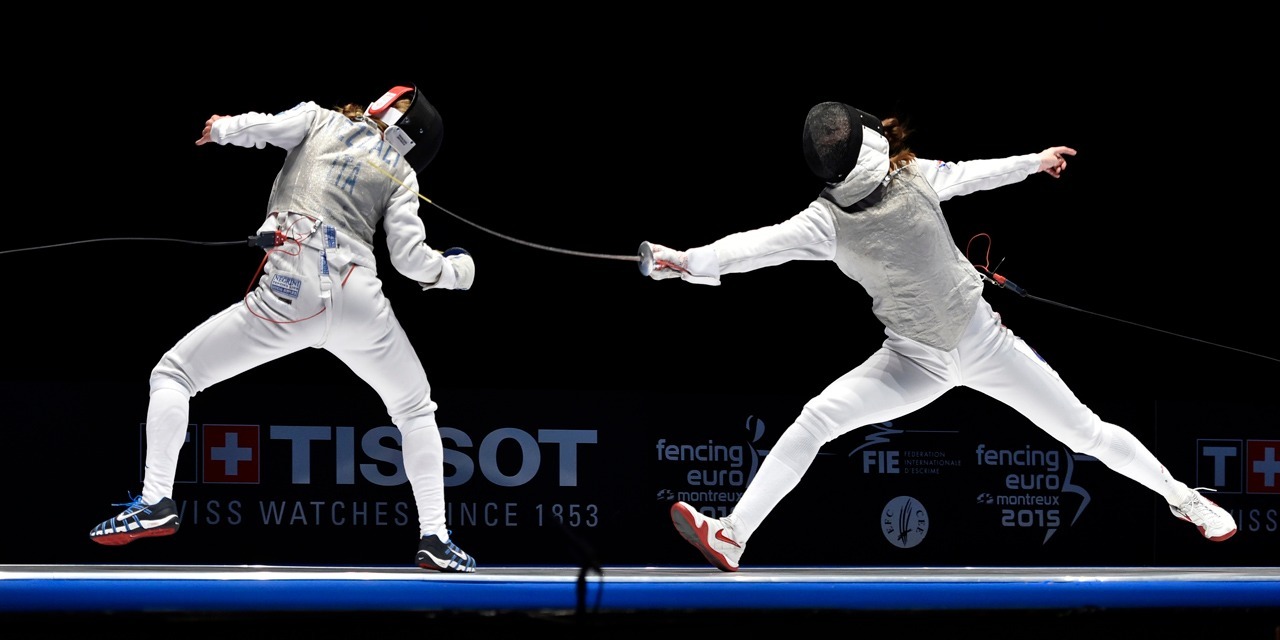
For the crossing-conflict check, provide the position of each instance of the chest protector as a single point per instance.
(895, 242)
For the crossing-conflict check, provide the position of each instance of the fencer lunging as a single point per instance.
(879, 219)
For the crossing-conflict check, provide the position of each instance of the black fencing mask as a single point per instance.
(416, 133)
(833, 139)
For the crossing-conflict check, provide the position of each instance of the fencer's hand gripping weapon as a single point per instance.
(646, 258)
(659, 262)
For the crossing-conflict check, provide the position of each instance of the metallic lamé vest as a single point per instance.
(329, 176)
(895, 242)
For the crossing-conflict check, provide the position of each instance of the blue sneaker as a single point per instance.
(138, 520)
(438, 555)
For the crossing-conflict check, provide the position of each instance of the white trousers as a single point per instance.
(295, 307)
(904, 375)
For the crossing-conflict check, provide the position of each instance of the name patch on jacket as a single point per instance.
(286, 285)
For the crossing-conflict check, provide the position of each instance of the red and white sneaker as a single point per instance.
(709, 535)
(1214, 521)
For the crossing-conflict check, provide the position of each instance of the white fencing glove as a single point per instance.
(664, 262)
(464, 267)
(668, 263)
(457, 273)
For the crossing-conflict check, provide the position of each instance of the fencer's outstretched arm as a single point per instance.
(808, 235)
(951, 179)
(286, 129)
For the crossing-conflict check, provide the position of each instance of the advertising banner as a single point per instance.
(575, 477)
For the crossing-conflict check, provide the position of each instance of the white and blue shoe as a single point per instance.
(439, 555)
(138, 520)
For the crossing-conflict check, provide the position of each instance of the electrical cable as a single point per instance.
(74, 242)
(606, 256)
(646, 260)
(253, 241)
(1002, 282)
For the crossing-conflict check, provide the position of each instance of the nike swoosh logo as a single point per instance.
(444, 562)
(726, 539)
(462, 555)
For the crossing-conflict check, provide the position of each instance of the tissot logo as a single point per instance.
(1236, 466)
(230, 453)
(1263, 472)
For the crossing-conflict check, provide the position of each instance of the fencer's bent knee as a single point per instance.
(166, 375)
(796, 448)
(417, 424)
(799, 443)
(817, 424)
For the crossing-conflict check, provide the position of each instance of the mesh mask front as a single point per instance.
(833, 139)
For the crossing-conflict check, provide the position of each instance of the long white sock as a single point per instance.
(167, 414)
(424, 465)
(1126, 455)
(778, 475)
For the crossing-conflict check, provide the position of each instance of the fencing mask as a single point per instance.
(416, 133)
(847, 149)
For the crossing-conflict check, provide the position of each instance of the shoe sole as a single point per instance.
(117, 539)
(1219, 538)
(427, 560)
(689, 530)
(430, 565)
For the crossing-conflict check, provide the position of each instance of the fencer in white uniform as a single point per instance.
(880, 220)
(346, 171)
